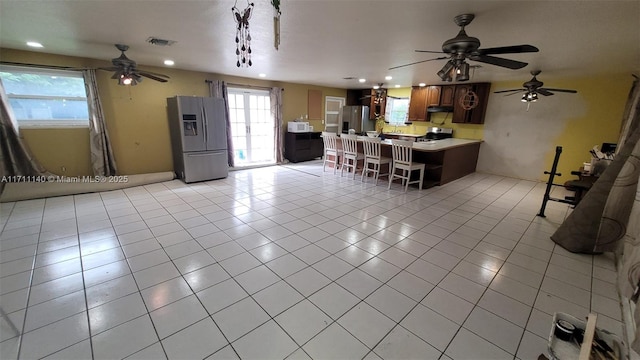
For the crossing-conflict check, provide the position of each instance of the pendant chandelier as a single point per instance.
(243, 36)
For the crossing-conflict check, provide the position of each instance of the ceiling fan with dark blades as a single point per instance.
(463, 47)
(126, 70)
(379, 94)
(534, 87)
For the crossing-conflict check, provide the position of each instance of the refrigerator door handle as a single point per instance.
(205, 125)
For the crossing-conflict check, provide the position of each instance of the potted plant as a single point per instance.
(379, 123)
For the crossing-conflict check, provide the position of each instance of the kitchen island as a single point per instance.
(445, 160)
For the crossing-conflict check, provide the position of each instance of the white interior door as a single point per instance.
(333, 113)
(252, 127)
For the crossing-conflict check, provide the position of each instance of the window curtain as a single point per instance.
(628, 255)
(218, 89)
(275, 95)
(102, 161)
(600, 220)
(15, 157)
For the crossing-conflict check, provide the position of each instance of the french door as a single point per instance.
(252, 127)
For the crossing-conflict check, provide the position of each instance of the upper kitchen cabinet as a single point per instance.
(433, 95)
(418, 103)
(376, 100)
(429, 96)
(447, 95)
(475, 115)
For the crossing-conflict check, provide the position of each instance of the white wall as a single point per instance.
(517, 140)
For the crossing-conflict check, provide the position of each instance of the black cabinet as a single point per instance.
(303, 146)
(376, 100)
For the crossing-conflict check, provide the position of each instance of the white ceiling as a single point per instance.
(323, 41)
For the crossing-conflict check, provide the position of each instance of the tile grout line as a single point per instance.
(33, 267)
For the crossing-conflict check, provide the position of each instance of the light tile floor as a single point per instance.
(290, 262)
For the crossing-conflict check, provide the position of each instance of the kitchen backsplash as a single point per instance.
(462, 131)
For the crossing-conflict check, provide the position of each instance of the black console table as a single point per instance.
(303, 146)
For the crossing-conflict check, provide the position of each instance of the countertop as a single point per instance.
(437, 145)
(443, 144)
(405, 135)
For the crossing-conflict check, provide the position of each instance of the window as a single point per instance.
(46, 97)
(397, 110)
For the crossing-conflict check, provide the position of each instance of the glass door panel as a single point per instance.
(252, 127)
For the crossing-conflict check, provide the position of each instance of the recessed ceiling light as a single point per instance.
(388, 77)
(397, 86)
(362, 80)
(34, 44)
(376, 87)
(169, 62)
(262, 75)
(422, 84)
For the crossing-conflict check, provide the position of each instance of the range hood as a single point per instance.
(436, 109)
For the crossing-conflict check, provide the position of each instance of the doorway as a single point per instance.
(252, 127)
(333, 113)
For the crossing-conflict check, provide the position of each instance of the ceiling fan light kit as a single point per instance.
(529, 97)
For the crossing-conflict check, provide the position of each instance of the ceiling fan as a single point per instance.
(380, 94)
(534, 87)
(463, 47)
(126, 71)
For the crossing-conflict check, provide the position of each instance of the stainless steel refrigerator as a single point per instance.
(198, 137)
(357, 118)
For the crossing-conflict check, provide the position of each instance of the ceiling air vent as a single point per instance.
(160, 42)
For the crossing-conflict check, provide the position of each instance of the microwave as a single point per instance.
(298, 127)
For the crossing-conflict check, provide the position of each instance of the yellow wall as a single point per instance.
(294, 102)
(52, 147)
(463, 131)
(136, 116)
(605, 98)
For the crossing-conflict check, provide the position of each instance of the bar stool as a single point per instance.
(351, 155)
(401, 151)
(331, 149)
(372, 155)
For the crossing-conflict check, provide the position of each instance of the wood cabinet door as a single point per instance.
(433, 97)
(447, 95)
(477, 113)
(460, 115)
(418, 103)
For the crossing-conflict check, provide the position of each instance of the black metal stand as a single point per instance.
(552, 175)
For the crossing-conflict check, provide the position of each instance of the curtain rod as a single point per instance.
(43, 66)
(245, 86)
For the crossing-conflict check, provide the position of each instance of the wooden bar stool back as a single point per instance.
(351, 155)
(331, 149)
(402, 156)
(372, 156)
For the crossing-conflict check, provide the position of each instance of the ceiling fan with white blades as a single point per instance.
(126, 70)
(534, 87)
(464, 47)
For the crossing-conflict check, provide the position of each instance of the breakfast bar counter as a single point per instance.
(446, 160)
